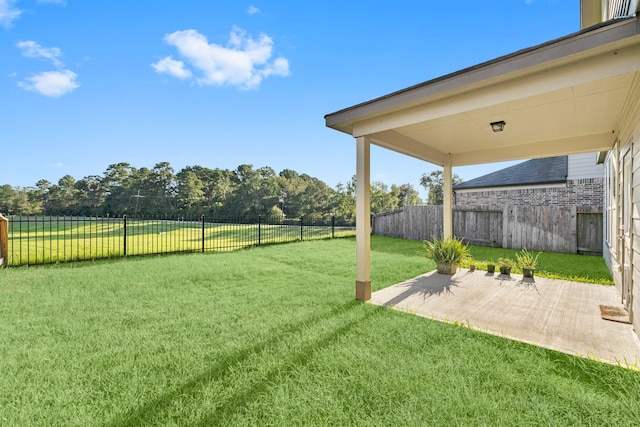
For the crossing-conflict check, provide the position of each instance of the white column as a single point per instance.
(363, 219)
(447, 202)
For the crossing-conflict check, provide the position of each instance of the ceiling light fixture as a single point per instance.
(498, 126)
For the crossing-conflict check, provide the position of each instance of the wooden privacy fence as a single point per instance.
(566, 229)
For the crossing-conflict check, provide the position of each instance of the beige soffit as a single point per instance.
(561, 97)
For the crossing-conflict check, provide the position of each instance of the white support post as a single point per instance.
(447, 202)
(363, 219)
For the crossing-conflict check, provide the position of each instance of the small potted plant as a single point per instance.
(491, 267)
(447, 253)
(505, 265)
(527, 261)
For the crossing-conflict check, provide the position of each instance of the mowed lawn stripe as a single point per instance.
(272, 336)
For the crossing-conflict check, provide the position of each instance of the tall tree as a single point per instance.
(7, 196)
(434, 182)
(42, 193)
(62, 197)
(345, 200)
(317, 197)
(406, 195)
(164, 188)
(22, 203)
(190, 193)
(117, 182)
(257, 192)
(90, 195)
(382, 199)
(217, 186)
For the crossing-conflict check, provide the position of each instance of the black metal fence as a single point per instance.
(36, 240)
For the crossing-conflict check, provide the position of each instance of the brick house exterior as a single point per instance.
(574, 180)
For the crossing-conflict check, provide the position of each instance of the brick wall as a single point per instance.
(581, 192)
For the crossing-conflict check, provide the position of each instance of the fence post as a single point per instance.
(4, 241)
(202, 233)
(333, 226)
(301, 230)
(259, 229)
(124, 246)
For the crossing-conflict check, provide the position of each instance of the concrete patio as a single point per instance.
(556, 314)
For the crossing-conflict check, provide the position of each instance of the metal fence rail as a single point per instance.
(34, 240)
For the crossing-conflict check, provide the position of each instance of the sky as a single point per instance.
(86, 84)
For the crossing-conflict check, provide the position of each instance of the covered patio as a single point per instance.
(567, 96)
(555, 314)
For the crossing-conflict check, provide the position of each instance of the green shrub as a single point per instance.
(446, 251)
(527, 259)
(505, 262)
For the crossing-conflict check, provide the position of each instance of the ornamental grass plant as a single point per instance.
(447, 251)
(527, 259)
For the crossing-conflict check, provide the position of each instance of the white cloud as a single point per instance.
(31, 49)
(48, 83)
(8, 13)
(252, 10)
(244, 62)
(58, 165)
(51, 83)
(172, 67)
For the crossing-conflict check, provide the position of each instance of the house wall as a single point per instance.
(635, 232)
(583, 166)
(635, 222)
(582, 192)
(629, 133)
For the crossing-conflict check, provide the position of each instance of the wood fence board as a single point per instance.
(539, 228)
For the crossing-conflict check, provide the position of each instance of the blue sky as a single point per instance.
(84, 84)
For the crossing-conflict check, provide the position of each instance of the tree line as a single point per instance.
(195, 190)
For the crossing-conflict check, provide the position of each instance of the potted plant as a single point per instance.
(505, 265)
(527, 261)
(447, 253)
(491, 267)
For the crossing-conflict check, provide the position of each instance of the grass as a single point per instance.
(272, 336)
(580, 268)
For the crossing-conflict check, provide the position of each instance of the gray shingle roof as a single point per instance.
(549, 170)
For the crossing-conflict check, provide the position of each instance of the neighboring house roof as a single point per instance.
(549, 170)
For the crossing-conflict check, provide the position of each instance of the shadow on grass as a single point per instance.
(146, 413)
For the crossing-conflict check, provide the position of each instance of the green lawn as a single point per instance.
(272, 336)
(581, 268)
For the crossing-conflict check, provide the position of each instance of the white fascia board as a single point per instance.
(526, 61)
(561, 77)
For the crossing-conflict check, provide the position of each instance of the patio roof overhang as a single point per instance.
(562, 97)
(566, 96)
